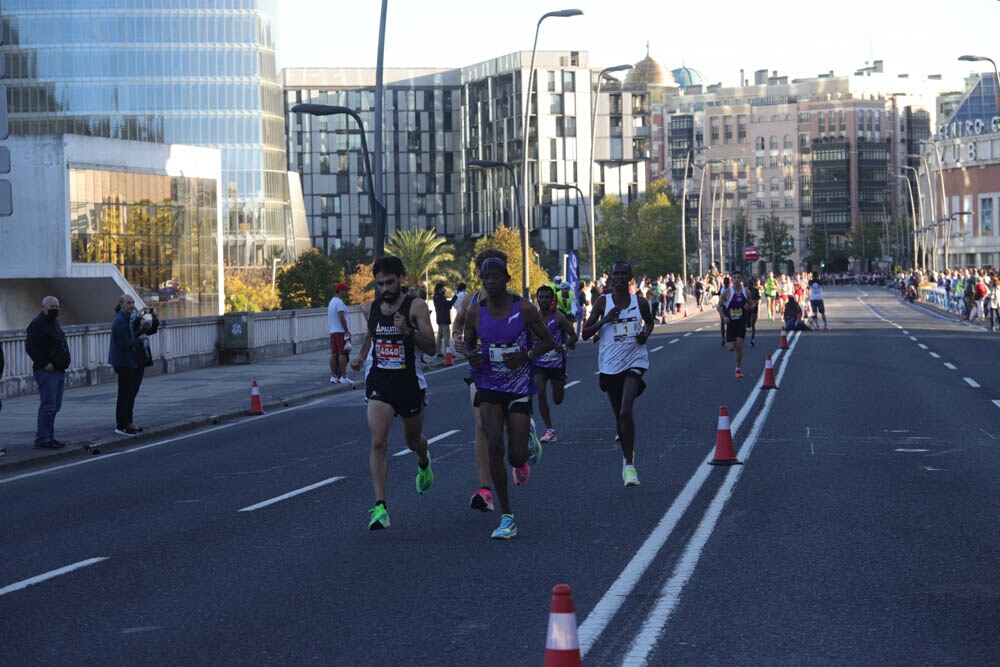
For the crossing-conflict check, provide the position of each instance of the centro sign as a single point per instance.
(969, 128)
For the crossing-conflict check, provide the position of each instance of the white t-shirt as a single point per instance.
(617, 349)
(332, 313)
(816, 291)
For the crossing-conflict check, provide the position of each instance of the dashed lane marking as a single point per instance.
(430, 441)
(921, 346)
(51, 574)
(574, 382)
(290, 494)
(913, 338)
(935, 355)
(950, 365)
(972, 383)
(997, 403)
(657, 349)
(676, 340)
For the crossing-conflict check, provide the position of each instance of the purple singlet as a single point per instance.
(496, 337)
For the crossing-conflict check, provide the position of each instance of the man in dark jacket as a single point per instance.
(442, 315)
(46, 345)
(124, 353)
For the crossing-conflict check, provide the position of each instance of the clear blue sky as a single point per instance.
(717, 37)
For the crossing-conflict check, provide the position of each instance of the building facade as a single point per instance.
(193, 72)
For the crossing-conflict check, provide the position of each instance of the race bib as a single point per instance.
(390, 355)
(736, 313)
(497, 352)
(623, 330)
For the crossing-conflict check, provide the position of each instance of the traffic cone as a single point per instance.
(449, 360)
(562, 644)
(663, 316)
(769, 382)
(784, 339)
(255, 406)
(724, 454)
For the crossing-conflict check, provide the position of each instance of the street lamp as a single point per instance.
(923, 214)
(684, 190)
(377, 177)
(995, 72)
(564, 186)
(493, 164)
(947, 234)
(593, 131)
(378, 210)
(931, 200)
(563, 13)
(701, 185)
(913, 215)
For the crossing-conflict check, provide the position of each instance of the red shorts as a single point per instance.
(337, 344)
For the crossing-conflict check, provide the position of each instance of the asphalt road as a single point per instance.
(862, 527)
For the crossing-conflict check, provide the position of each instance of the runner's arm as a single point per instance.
(648, 322)
(533, 320)
(420, 327)
(594, 322)
(568, 329)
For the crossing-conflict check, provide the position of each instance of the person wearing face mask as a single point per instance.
(46, 345)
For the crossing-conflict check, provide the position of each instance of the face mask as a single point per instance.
(52, 314)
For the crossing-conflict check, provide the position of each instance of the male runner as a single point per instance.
(552, 364)
(397, 326)
(503, 324)
(733, 304)
(753, 308)
(816, 299)
(624, 322)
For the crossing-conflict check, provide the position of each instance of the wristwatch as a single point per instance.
(531, 355)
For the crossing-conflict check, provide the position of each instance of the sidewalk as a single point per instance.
(170, 404)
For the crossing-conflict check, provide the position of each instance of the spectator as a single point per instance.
(143, 323)
(792, 315)
(442, 315)
(340, 335)
(994, 299)
(123, 354)
(46, 345)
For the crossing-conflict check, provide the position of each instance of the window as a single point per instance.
(986, 216)
(556, 104)
(773, 143)
(569, 82)
(551, 81)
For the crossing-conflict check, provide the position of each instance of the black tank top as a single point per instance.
(392, 354)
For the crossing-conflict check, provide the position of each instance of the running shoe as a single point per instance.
(629, 476)
(378, 518)
(507, 528)
(550, 435)
(521, 474)
(334, 379)
(752, 342)
(425, 476)
(534, 446)
(482, 500)
(826, 328)
(739, 373)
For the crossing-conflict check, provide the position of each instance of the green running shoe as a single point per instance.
(378, 518)
(629, 476)
(507, 528)
(425, 477)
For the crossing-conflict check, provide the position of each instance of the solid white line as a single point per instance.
(921, 346)
(574, 382)
(935, 355)
(290, 494)
(950, 365)
(645, 642)
(430, 441)
(49, 575)
(657, 349)
(676, 340)
(972, 383)
(600, 616)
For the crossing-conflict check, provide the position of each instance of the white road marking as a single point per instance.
(972, 383)
(688, 334)
(657, 349)
(49, 575)
(997, 403)
(430, 441)
(669, 596)
(574, 382)
(676, 340)
(913, 338)
(906, 332)
(950, 365)
(912, 451)
(601, 615)
(935, 355)
(921, 346)
(290, 494)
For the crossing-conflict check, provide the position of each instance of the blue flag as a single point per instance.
(572, 277)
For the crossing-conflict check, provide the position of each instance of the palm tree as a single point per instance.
(423, 253)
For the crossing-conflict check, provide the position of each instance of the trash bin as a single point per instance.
(237, 339)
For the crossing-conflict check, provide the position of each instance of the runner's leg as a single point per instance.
(379, 420)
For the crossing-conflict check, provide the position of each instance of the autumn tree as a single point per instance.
(309, 282)
(508, 240)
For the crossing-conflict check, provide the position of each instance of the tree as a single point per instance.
(820, 250)
(775, 242)
(423, 253)
(361, 284)
(508, 240)
(250, 290)
(864, 243)
(349, 257)
(309, 282)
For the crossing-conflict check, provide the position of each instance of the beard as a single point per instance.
(390, 297)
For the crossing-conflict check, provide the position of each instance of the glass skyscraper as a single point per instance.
(196, 72)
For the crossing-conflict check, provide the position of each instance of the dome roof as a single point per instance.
(686, 76)
(648, 72)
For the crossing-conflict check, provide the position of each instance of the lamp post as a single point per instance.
(378, 236)
(493, 164)
(923, 214)
(563, 13)
(593, 162)
(933, 204)
(701, 185)
(947, 234)
(995, 72)
(378, 210)
(913, 216)
(684, 190)
(564, 186)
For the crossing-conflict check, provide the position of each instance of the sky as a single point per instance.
(716, 37)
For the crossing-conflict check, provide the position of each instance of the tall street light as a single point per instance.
(933, 205)
(684, 202)
(593, 162)
(563, 13)
(947, 234)
(995, 72)
(913, 216)
(378, 210)
(564, 186)
(944, 192)
(701, 185)
(918, 261)
(493, 164)
(377, 178)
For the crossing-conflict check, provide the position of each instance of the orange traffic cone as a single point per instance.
(724, 454)
(784, 339)
(562, 644)
(663, 316)
(449, 360)
(255, 406)
(769, 382)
